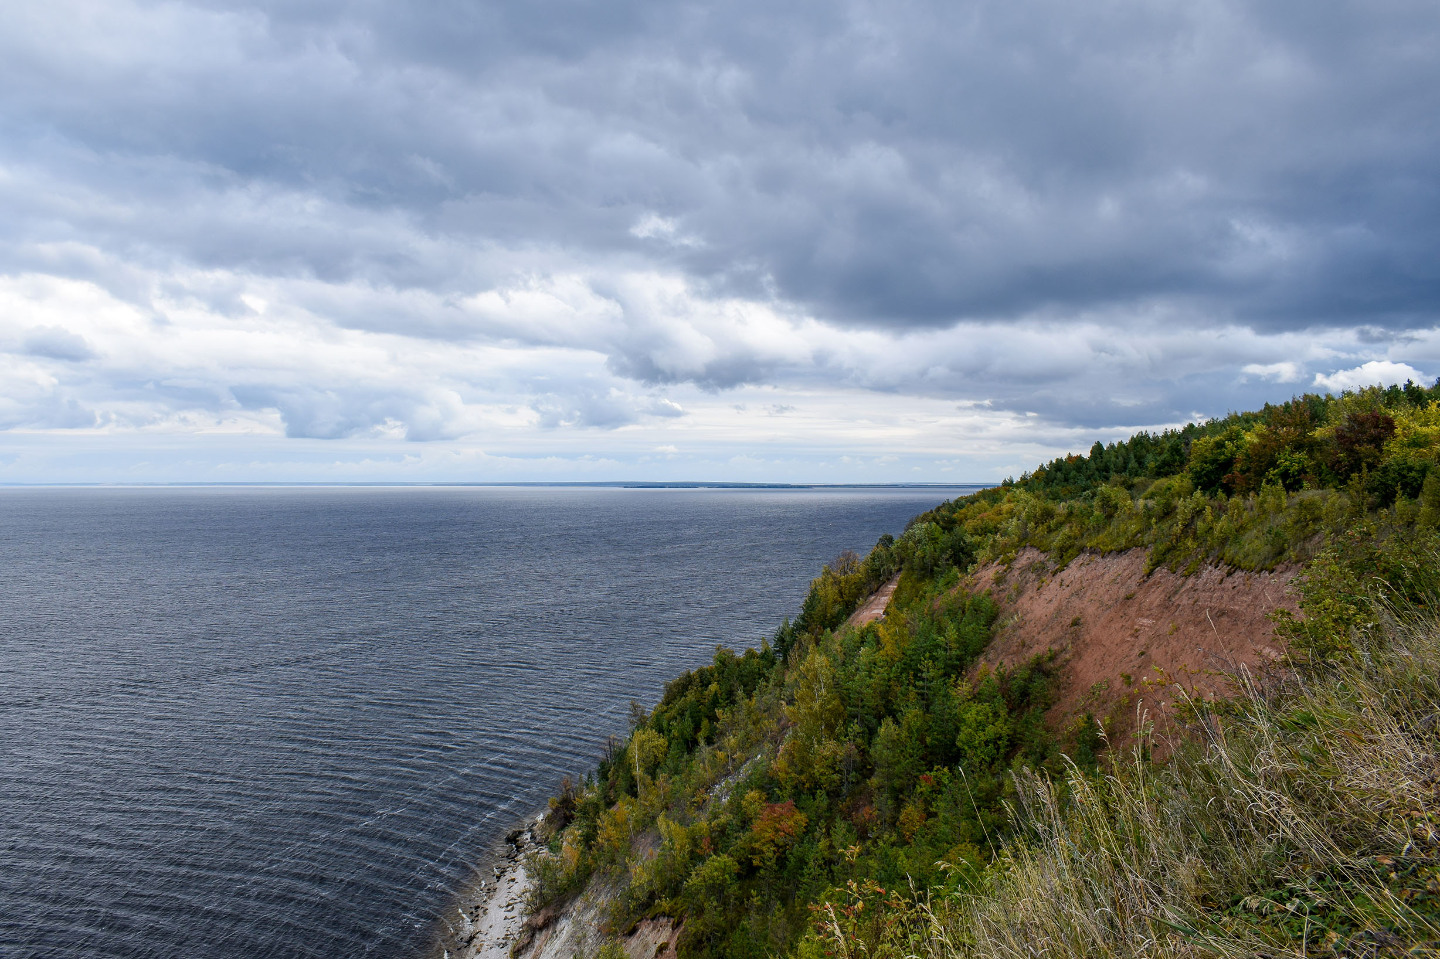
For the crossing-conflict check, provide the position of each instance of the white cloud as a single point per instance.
(582, 369)
(652, 226)
(1282, 372)
(1373, 373)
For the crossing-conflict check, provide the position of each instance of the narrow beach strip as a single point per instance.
(492, 914)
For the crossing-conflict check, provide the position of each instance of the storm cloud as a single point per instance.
(495, 225)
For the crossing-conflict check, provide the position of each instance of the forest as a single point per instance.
(842, 790)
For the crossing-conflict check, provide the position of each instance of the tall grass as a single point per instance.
(1303, 820)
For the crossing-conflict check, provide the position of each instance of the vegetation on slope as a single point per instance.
(1301, 820)
(777, 800)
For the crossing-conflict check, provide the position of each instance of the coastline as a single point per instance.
(493, 922)
(489, 916)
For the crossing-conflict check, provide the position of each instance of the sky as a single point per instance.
(573, 240)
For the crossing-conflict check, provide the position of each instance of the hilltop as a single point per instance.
(1176, 695)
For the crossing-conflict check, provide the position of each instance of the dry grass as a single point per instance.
(1301, 822)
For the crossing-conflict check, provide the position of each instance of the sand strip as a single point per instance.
(493, 912)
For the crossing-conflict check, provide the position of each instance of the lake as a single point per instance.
(240, 722)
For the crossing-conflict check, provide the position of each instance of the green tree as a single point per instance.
(1212, 458)
(1430, 501)
(710, 895)
(984, 737)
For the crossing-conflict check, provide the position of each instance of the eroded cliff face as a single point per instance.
(1121, 641)
(580, 928)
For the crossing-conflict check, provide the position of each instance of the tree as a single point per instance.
(1430, 501)
(1357, 444)
(1212, 459)
(710, 894)
(647, 748)
(984, 736)
(776, 829)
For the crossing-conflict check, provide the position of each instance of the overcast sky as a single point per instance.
(809, 241)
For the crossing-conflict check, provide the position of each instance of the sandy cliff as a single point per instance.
(1122, 639)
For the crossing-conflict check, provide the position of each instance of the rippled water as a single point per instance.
(263, 722)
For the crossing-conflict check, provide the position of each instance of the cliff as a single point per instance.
(1176, 649)
(1119, 642)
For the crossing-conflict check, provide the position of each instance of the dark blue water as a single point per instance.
(261, 722)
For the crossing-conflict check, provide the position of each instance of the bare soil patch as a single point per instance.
(1123, 641)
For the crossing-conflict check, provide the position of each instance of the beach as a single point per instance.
(492, 913)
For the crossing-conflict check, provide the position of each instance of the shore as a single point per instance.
(492, 913)
(492, 922)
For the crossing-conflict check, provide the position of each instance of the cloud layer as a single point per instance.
(537, 233)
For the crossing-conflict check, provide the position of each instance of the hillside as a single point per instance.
(1033, 705)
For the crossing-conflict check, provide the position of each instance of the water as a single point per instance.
(263, 722)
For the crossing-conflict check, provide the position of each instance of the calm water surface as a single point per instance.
(265, 722)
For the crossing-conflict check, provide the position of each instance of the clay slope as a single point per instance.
(1122, 640)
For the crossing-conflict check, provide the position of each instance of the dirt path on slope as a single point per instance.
(874, 607)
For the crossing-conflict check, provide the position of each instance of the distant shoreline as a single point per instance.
(616, 484)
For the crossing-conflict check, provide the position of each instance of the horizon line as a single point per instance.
(606, 484)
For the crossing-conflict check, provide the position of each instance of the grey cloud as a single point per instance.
(637, 360)
(600, 408)
(316, 413)
(1377, 335)
(57, 344)
(896, 167)
(910, 164)
(50, 411)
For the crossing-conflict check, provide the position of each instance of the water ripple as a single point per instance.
(288, 722)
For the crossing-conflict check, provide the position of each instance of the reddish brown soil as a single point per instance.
(1124, 641)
